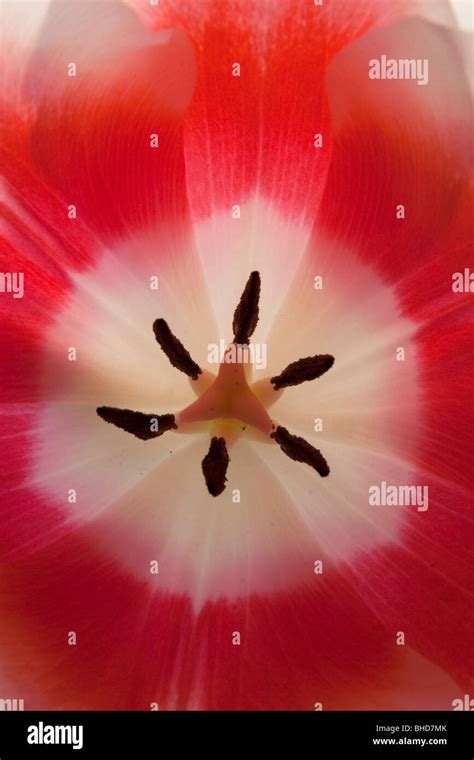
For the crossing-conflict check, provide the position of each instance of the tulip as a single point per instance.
(185, 535)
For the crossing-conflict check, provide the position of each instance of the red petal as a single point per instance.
(88, 136)
(234, 123)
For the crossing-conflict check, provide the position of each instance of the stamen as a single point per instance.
(214, 466)
(304, 369)
(246, 313)
(300, 450)
(143, 426)
(174, 350)
(228, 397)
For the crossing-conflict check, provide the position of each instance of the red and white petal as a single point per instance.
(247, 567)
(399, 143)
(118, 362)
(134, 648)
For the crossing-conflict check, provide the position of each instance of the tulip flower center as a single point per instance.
(189, 417)
(228, 396)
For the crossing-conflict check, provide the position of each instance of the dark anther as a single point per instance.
(304, 369)
(300, 450)
(246, 313)
(143, 426)
(174, 350)
(214, 466)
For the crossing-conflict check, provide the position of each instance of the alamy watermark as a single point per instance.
(463, 282)
(385, 495)
(399, 68)
(13, 283)
(46, 734)
(238, 353)
(465, 703)
(12, 705)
